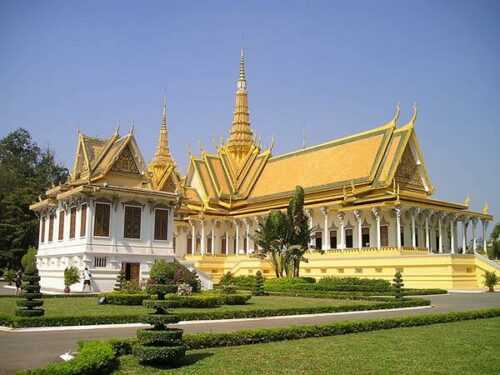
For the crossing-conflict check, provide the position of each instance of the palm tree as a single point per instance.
(270, 237)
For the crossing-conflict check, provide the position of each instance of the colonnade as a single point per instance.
(436, 231)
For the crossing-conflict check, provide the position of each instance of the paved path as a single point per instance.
(19, 350)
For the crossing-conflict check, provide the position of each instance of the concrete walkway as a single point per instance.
(21, 350)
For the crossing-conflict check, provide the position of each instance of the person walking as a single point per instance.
(87, 279)
(18, 280)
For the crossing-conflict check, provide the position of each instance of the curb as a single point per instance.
(195, 322)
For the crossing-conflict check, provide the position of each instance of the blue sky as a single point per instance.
(323, 69)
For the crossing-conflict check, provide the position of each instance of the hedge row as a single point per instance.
(125, 298)
(204, 315)
(95, 357)
(80, 295)
(204, 300)
(256, 336)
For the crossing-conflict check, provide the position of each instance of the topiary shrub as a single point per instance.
(398, 285)
(259, 284)
(160, 344)
(120, 281)
(31, 305)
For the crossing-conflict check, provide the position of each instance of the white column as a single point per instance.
(452, 234)
(89, 231)
(247, 235)
(440, 230)
(357, 214)
(474, 235)
(213, 237)
(465, 222)
(413, 232)
(227, 243)
(485, 243)
(340, 217)
(376, 213)
(326, 236)
(397, 210)
(237, 249)
(193, 237)
(427, 235)
(203, 241)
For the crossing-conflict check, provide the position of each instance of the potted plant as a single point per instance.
(9, 276)
(71, 276)
(490, 280)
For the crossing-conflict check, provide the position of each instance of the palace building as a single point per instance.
(368, 197)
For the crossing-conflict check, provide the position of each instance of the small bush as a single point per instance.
(31, 306)
(490, 280)
(71, 276)
(196, 301)
(95, 357)
(153, 337)
(9, 276)
(236, 299)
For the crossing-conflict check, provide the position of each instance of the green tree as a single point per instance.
(493, 250)
(284, 238)
(29, 259)
(271, 236)
(26, 172)
(299, 234)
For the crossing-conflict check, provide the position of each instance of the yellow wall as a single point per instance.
(420, 269)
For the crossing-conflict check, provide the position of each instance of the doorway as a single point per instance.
(132, 272)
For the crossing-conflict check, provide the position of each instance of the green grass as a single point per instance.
(469, 347)
(62, 307)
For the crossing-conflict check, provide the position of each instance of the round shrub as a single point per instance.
(159, 319)
(29, 303)
(154, 337)
(31, 278)
(236, 299)
(29, 313)
(159, 354)
(31, 295)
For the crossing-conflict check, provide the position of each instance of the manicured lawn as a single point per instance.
(85, 306)
(469, 347)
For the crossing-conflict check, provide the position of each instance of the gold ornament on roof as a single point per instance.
(486, 208)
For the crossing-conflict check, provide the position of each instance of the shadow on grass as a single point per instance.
(189, 359)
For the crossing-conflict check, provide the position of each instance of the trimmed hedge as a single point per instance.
(98, 357)
(236, 299)
(95, 357)
(154, 337)
(125, 298)
(247, 337)
(194, 301)
(45, 321)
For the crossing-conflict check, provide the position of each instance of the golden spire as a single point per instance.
(241, 138)
(162, 154)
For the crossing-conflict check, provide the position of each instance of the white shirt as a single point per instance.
(86, 275)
